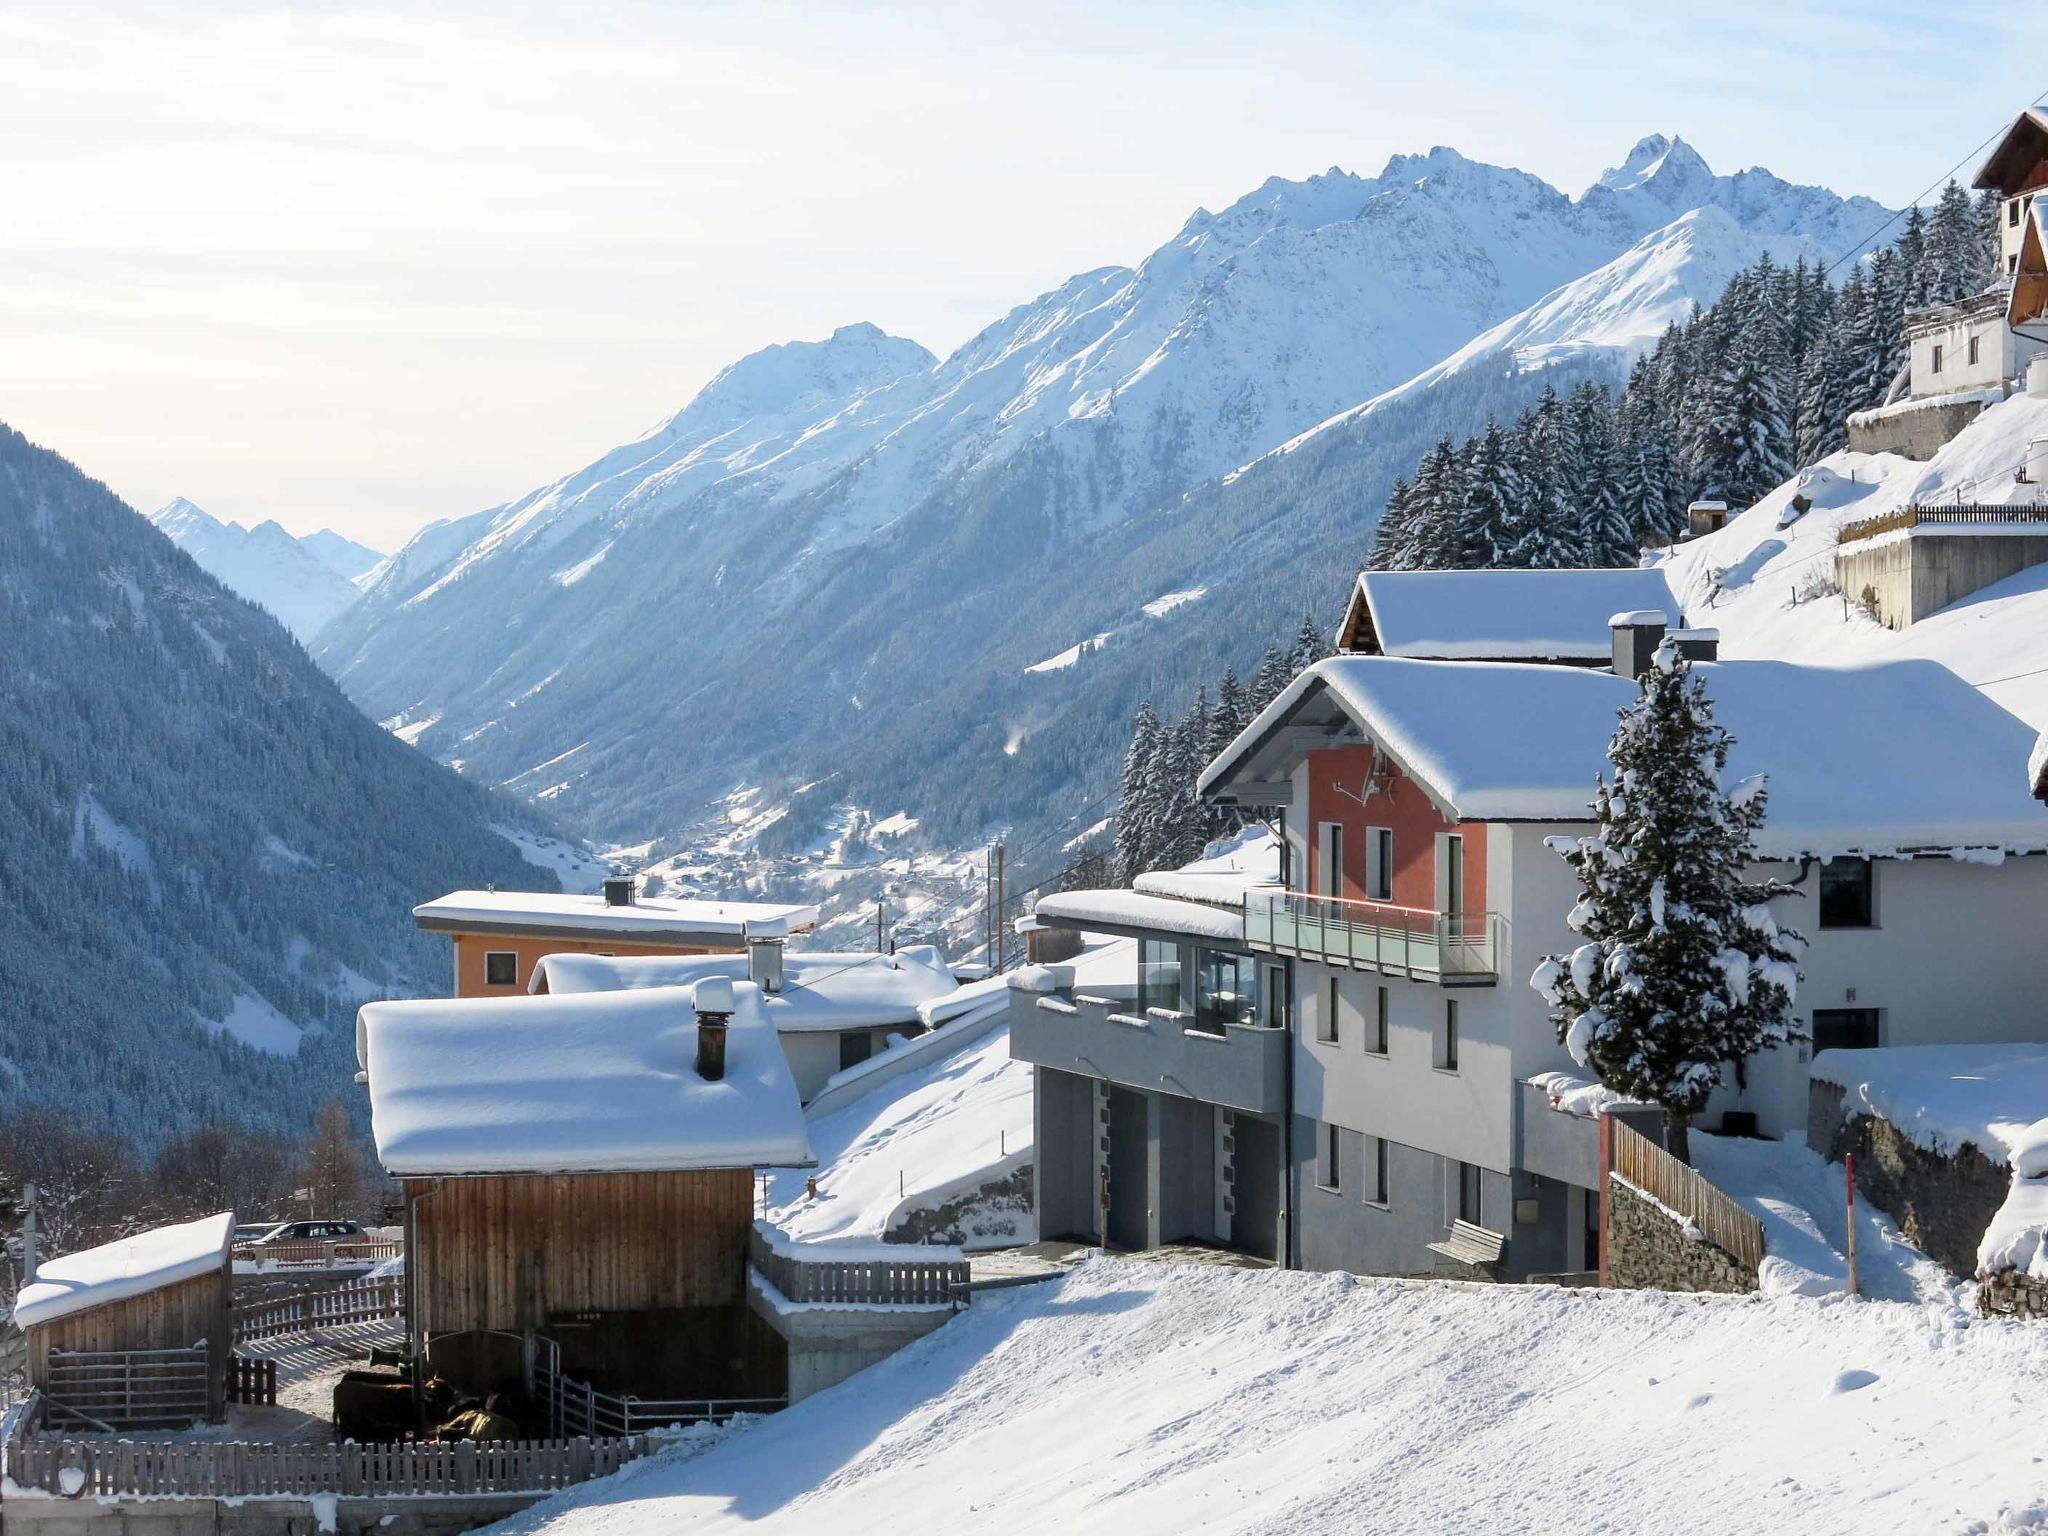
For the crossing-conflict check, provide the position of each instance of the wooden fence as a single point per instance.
(331, 1253)
(908, 1281)
(1922, 517)
(1656, 1172)
(129, 1388)
(359, 1301)
(252, 1381)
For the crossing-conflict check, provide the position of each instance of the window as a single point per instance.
(1845, 893)
(1326, 1026)
(1382, 1009)
(1158, 975)
(1330, 859)
(1374, 1177)
(1379, 863)
(1447, 1038)
(1471, 1202)
(1935, 366)
(1226, 991)
(1326, 1158)
(1844, 1029)
(855, 1047)
(501, 968)
(1450, 872)
(1273, 998)
(1975, 342)
(2012, 214)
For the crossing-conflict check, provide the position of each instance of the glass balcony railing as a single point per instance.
(1451, 947)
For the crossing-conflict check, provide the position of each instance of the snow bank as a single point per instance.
(821, 991)
(2018, 1235)
(593, 1082)
(1141, 1398)
(148, 1261)
(1946, 1096)
(1577, 1095)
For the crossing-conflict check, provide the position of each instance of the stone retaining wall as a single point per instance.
(2013, 1294)
(1648, 1248)
(1941, 1201)
(1913, 434)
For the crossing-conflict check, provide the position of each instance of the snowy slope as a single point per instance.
(265, 564)
(340, 554)
(1136, 1398)
(1744, 579)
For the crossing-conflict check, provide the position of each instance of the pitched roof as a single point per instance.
(592, 1082)
(645, 918)
(132, 1266)
(1895, 757)
(824, 991)
(2016, 153)
(1498, 615)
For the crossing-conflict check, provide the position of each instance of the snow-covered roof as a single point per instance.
(1129, 911)
(824, 991)
(1498, 615)
(645, 918)
(1891, 757)
(2016, 153)
(1225, 872)
(590, 1082)
(132, 1266)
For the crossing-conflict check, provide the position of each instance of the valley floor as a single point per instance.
(1151, 1397)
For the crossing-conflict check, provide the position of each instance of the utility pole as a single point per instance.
(28, 1233)
(881, 948)
(1002, 933)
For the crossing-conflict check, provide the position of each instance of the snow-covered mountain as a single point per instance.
(832, 529)
(304, 582)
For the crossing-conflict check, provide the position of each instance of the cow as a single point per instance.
(372, 1407)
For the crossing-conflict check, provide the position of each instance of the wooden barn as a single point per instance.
(579, 1180)
(134, 1333)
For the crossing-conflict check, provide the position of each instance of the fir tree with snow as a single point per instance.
(1310, 645)
(1135, 820)
(1683, 968)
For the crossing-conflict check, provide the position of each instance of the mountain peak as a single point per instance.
(181, 513)
(1659, 160)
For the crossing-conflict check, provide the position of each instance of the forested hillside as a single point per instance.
(207, 854)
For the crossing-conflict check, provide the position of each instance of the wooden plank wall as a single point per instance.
(170, 1317)
(511, 1251)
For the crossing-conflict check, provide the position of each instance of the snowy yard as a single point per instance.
(1140, 1398)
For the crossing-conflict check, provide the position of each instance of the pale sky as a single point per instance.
(364, 267)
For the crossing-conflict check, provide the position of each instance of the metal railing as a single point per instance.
(129, 1388)
(1375, 935)
(1641, 1162)
(1923, 517)
(576, 1408)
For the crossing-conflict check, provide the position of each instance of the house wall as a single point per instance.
(1337, 787)
(639, 1276)
(2010, 229)
(470, 949)
(1063, 1141)
(174, 1316)
(1956, 371)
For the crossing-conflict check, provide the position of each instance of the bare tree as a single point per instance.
(90, 1185)
(216, 1167)
(333, 1172)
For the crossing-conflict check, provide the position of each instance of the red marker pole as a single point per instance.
(1849, 1164)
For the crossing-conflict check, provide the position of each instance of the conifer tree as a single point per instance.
(1309, 645)
(1273, 674)
(1393, 545)
(1135, 818)
(1492, 497)
(1683, 967)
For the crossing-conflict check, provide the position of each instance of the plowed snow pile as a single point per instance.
(1147, 1397)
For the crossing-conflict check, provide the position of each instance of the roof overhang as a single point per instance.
(2024, 145)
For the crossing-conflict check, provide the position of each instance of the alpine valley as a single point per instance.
(856, 608)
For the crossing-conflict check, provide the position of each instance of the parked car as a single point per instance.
(311, 1232)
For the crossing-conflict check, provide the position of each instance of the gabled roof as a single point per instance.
(597, 1082)
(2025, 143)
(133, 1266)
(645, 919)
(1497, 615)
(1898, 757)
(824, 991)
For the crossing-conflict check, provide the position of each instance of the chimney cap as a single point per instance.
(713, 995)
(1638, 618)
(618, 890)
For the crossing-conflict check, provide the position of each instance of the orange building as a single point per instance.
(498, 936)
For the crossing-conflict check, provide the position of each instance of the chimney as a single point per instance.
(1697, 644)
(1635, 636)
(618, 890)
(764, 962)
(712, 999)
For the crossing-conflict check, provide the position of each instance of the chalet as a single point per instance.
(2016, 170)
(830, 1010)
(1160, 1066)
(498, 935)
(578, 1175)
(1556, 616)
(134, 1333)
(1428, 1098)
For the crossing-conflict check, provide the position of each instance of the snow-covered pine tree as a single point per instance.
(1135, 819)
(1230, 716)
(1990, 234)
(1493, 495)
(1604, 534)
(1911, 250)
(1310, 646)
(1273, 674)
(1683, 968)
(1183, 820)
(1393, 544)
(1954, 267)
(1438, 497)
(1823, 399)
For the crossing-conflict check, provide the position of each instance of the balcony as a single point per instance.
(1240, 1066)
(1454, 948)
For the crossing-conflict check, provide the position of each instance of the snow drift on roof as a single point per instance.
(1227, 869)
(594, 1082)
(1134, 909)
(115, 1271)
(1506, 615)
(1512, 742)
(854, 990)
(656, 914)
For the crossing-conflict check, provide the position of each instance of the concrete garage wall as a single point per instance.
(1916, 571)
(1064, 1144)
(1917, 434)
